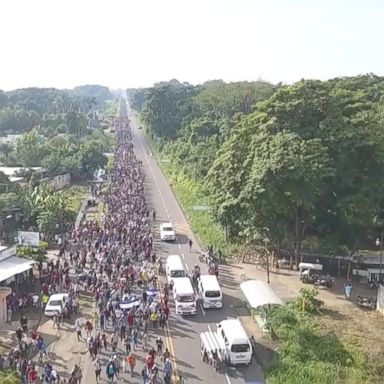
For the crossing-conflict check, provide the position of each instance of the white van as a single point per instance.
(210, 292)
(174, 268)
(235, 343)
(184, 296)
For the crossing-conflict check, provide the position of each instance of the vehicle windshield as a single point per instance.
(55, 303)
(167, 229)
(177, 273)
(186, 299)
(212, 294)
(238, 348)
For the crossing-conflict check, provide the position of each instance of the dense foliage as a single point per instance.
(57, 131)
(308, 354)
(293, 164)
(97, 93)
(52, 111)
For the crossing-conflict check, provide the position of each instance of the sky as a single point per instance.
(134, 43)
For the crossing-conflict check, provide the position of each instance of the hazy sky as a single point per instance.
(131, 43)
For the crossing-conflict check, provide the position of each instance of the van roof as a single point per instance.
(175, 260)
(210, 282)
(183, 285)
(233, 329)
(58, 296)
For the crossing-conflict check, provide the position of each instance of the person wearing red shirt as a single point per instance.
(149, 361)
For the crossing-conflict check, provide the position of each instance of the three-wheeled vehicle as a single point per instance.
(305, 268)
(311, 274)
(211, 351)
(374, 277)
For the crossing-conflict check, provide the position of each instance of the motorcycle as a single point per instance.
(318, 280)
(366, 302)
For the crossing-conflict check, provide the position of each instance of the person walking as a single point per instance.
(110, 370)
(131, 360)
(190, 242)
(78, 330)
(127, 344)
(145, 341)
(77, 374)
(97, 366)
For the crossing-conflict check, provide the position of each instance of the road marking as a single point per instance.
(154, 178)
(167, 329)
(182, 255)
(178, 244)
(227, 377)
(186, 266)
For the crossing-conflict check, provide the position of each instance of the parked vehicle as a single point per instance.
(167, 233)
(174, 268)
(55, 304)
(211, 351)
(184, 296)
(366, 302)
(308, 268)
(210, 292)
(236, 347)
(310, 274)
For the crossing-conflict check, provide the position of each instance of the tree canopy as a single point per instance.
(284, 162)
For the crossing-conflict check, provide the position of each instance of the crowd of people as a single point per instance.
(130, 307)
(114, 261)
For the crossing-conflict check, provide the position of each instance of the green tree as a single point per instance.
(30, 149)
(38, 254)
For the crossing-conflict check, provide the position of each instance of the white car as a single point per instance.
(55, 304)
(167, 233)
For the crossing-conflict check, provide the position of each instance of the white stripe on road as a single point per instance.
(186, 266)
(227, 377)
(178, 244)
(182, 255)
(154, 177)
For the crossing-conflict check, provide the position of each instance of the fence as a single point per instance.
(58, 182)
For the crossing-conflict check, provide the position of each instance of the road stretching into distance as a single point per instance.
(183, 333)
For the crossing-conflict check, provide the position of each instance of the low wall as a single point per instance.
(58, 182)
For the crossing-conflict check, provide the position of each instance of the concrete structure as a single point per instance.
(58, 182)
(4, 292)
(11, 266)
(11, 172)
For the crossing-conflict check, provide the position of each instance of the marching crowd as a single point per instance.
(114, 261)
(122, 277)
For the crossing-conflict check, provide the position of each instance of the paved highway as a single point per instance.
(184, 340)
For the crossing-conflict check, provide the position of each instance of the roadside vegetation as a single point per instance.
(60, 131)
(308, 352)
(298, 166)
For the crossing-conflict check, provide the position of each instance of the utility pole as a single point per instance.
(267, 258)
(379, 242)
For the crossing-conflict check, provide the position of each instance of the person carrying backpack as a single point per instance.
(110, 370)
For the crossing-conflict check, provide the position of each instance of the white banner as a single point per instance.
(28, 239)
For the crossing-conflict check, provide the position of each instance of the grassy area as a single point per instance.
(312, 351)
(189, 194)
(75, 194)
